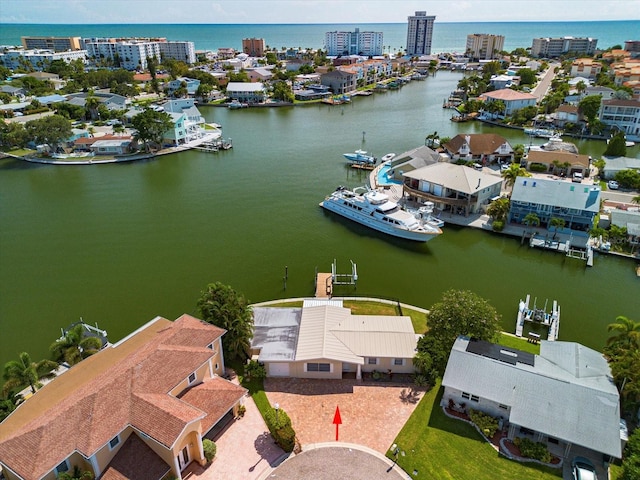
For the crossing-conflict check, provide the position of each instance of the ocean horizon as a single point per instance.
(447, 36)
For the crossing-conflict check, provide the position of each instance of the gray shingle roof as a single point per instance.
(568, 394)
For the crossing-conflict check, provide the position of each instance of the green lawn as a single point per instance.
(444, 448)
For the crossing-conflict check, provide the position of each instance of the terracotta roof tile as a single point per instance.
(135, 460)
(479, 143)
(124, 384)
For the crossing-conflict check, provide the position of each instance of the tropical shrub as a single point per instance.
(487, 424)
(285, 438)
(209, 448)
(535, 450)
(254, 370)
(279, 425)
(497, 225)
(538, 167)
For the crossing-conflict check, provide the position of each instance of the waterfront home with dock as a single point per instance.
(575, 204)
(324, 340)
(452, 188)
(564, 397)
(513, 100)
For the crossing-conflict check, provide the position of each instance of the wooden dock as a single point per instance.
(324, 285)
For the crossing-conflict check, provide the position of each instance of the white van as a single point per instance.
(577, 177)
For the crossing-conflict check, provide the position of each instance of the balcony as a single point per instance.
(456, 202)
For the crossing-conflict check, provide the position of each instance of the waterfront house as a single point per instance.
(324, 340)
(575, 203)
(114, 146)
(558, 162)
(110, 100)
(151, 398)
(503, 81)
(614, 165)
(455, 188)
(624, 114)
(187, 121)
(412, 160)
(512, 99)
(247, 92)
(631, 221)
(84, 143)
(484, 148)
(566, 114)
(339, 81)
(564, 397)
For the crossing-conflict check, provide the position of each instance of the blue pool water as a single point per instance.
(383, 177)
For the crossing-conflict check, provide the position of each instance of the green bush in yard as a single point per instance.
(530, 449)
(487, 424)
(209, 448)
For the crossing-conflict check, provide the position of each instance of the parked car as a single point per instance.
(504, 167)
(577, 177)
(612, 185)
(583, 469)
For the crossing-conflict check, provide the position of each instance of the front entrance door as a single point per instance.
(183, 458)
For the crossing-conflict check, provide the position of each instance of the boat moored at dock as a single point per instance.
(375, 210)
(360, 156)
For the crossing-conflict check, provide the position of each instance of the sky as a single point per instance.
(309, 11)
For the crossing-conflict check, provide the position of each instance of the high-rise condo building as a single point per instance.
(484, 46)
(555, 47)
(419, 34)
(353, 43)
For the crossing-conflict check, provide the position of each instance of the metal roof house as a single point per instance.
(564, 396)
(576, 203)
(324, 340)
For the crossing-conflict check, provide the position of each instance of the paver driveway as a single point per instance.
(372, 413)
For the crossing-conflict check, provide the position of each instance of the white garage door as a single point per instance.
(278, 369)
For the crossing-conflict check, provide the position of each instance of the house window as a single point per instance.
(210, 346)
(504, 407)
(475, 398)
(466, 395)
(398, 361)
(63, 467)
(217, 366)
(372, 361)
(318, 367)
(555, 441)
(113, 443)
(192, 378)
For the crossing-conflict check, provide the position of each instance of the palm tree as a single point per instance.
(628, 332)
(75, 345)
(432, 139)
(556, 223)
(531, 219)
(512, 173)
(499, 209)
(9, 404)
(636, 200)
(22, 372)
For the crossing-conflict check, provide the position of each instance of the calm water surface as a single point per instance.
(120, 244)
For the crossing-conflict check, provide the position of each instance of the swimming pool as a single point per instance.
(383, 176)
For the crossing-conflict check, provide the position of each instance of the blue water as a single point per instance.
(447, 37)
(383, 176)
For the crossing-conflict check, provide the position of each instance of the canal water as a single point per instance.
(120, 244)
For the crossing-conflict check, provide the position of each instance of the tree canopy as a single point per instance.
(75, 345)
(513, 172)
(222, 306)
(589, 106)
(151, 126)
(617, 146)
(459, 312)
(25, 372)
(623, 354)
(50, 130)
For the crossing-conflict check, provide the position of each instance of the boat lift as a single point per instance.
(326, 281)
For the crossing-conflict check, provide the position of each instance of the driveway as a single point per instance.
(372, 413)
(245, 449)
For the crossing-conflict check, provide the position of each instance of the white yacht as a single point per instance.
(374, 210)
(360, 156)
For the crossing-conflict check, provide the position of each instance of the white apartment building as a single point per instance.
(354, 43)
(38, 59)
(420, 33)
(625, 114)
(134, 53)
(484, 46)
(555, 47)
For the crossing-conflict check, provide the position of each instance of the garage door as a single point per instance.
(278, 369)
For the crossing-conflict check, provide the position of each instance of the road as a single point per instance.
(543, 85)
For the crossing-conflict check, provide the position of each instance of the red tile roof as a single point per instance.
(507, 94)
(125, 384)
(135, 460)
